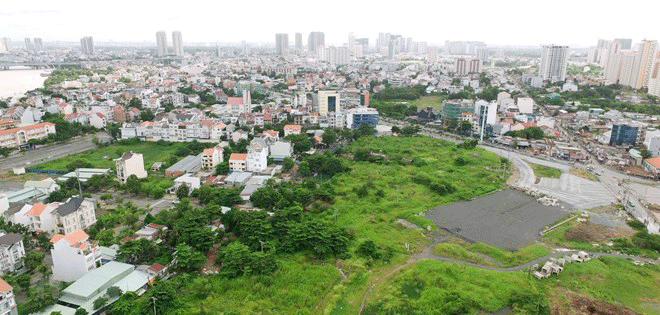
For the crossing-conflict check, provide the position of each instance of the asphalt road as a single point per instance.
(51, 152)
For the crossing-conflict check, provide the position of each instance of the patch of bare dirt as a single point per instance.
(576, 304)
(587, 232)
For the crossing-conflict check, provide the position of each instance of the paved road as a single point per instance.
(51, 152)
(573, 190)
(530, 263)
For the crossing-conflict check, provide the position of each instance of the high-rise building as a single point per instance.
(315, 40)
(654, 76)
(282, 44)
(613, 62)
(87, 45)
(161, 43)
(177, 43)
(465, 66)
(38, 44)
(627, 60)
(299, 44)
(553, 63)
(351, 42)
(432, 54)
(334, 55)
(626, 43)
(28, 44)
(364, 42)
(481, 52)
(644, 63)
(5, 44)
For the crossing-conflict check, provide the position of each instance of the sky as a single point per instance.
(577, 23)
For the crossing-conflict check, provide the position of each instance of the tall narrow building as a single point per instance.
(87, 45)
(38, 44)
(299, 44)
(28, 44)
(282, 44)
(654, 75)
(6, 44)
(177, 43)
(553, 63)
(315, 40)
(613, 62)
(644, 63)
(161, 43)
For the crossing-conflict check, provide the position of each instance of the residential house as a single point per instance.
(193, 182)
(292, 130)
(73, 255)
(7, 300)
(239, 135)
(47, 185)
(211, 158)
(16, 137)
(238, 162)
(76, 214)
(652, 166)
(257, 156)
(130, 164)
(11, 252)
(98, 120)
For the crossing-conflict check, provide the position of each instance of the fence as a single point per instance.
(34, 170)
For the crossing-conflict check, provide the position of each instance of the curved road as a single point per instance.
(525, 265)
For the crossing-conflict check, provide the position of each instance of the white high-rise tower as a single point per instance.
(161, 42)
(177, 43)
(553, 63)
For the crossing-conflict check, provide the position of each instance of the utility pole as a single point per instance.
(154, 300)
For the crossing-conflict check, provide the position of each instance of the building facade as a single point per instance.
(130, 164)
(362, 115)
(11, 252)
(554, 61)
(20, 136)
(177, 43)
(73, 255)
(282, 44)
(161, 43)
(328, 102)
(7, 300)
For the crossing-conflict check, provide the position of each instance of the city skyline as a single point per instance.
(503, 23)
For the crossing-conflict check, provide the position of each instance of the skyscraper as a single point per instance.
(613, 62)
(299, 44)
(626, 43)
(177, 43)
(87, 45)
(38, 44)
(282, 44)
(654, 75)
(644, 63)
(315, 40)
(364, 42)
(28, 44)
(5, 44)
(161, 43)
(553, 63)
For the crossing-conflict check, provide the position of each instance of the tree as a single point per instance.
(234, 259)
(182, 192)
(147, 115)
(113, 291)
(301, 142)
(55, 313)
(45, 271)
(329, 136)
(100, 302)
(287, 164)
(646, 154)
(33, 259)
(409, 130)
(135, 102)
(222, 168)
(133, 184)
(138, 251)
(303, 168)
(81, 311)
(364, 130)
(187, 258)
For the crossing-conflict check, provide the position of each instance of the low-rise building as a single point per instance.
(280, 150)
(11, 253)
(189, 164)
(257, 156)
(211, 158)
(130, 164)
(652, 166)
(238, 162)
(17, 137)
(7, 300)
(292, 130)
(73, 256)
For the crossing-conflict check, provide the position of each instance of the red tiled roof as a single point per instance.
(238, 156)
(655, 162)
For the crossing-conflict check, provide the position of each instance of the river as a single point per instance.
(17, 82)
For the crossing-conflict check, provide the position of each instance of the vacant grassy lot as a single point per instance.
(433, 101)
(398, 188)
(434, 287)
(583, 173)
(545, 171)
(484, 254)
(103, 157)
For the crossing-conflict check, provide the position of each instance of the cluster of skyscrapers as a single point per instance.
(391, 45)
(315, 40)
(161, 43)
(636, 67)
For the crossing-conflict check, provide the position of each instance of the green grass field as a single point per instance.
(433, 101)
(484, 254)
(103, 157)
(545, 171)
(372, 217)
(434, 287)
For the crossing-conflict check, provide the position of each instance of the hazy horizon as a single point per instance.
(505, 23)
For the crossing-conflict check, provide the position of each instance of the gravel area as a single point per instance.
(507, 219)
